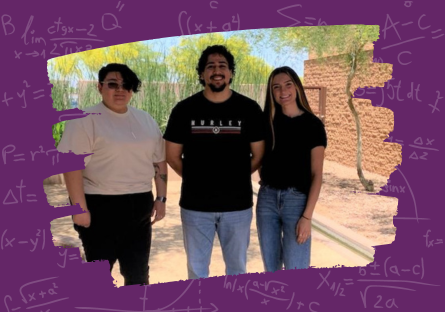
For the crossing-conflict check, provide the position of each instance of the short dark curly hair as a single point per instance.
(131, 80)
(215, 49)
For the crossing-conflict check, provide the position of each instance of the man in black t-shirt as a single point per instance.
(215, 141)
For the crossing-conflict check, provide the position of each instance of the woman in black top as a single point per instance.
(291, 173)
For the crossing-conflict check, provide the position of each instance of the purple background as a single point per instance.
(90, 285)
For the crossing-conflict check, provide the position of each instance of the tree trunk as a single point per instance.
(368, 184)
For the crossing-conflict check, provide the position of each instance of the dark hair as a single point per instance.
(271, 106)
(131, 80)
(215, 49)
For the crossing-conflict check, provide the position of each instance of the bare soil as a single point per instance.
(344, 200)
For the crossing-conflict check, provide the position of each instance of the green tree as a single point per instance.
(149, 65)
(139, 56)
(183, 59)
(61, 67)
(346, 40)
(62, 71)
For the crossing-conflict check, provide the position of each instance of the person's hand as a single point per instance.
(158, 211)
(83, 219)
(303, 230)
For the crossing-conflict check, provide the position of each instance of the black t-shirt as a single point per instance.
(289, 163)
(216, 137)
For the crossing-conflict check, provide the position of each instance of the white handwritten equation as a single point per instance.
(21, 96)
(67, 38)
(70, 257)
(11, 199)
(420, 23)
(309, 21)
(7, 242)
(9, 156)
(225, 27)
(374, 274)
(393, 92)
(269, 292)
(44, 292)
(431, 243)
(420, 145)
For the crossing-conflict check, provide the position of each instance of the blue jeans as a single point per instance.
(233, 229)
(278, 212)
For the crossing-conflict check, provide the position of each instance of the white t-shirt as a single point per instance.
(124, 148)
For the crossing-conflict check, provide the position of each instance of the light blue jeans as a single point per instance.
(277, 213)
(199, 228)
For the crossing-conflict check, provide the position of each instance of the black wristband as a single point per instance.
(161, 199)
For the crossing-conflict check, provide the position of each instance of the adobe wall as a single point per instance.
(377, 122)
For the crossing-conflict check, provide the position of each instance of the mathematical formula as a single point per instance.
(418, 144)
(395, 93)
(7, 242)
(421, 25)
(22, 95)
(309, 20)
(9, 156)
(225, 27)
(70, 257)
(375, 274)
(35, 294)
(67, 37)
(431, 243)
(11, 199)
(269, 291)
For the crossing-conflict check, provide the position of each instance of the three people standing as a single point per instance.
(215, 139)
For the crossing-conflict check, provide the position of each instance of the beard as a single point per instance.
(217, 89)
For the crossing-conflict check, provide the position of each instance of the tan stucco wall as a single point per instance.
(377, 122)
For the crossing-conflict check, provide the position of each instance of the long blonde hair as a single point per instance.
(270, 104)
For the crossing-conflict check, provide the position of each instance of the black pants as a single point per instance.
(120, 230)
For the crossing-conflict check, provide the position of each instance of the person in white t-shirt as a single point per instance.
(115, 189)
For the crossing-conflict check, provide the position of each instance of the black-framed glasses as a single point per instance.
(116, 86)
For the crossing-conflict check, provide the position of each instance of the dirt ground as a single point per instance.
(343, 200)
(340, 201)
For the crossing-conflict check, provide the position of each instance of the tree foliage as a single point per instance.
(327, 40)
(63, 67)
(140, 57)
